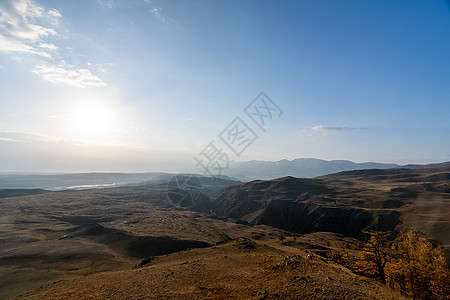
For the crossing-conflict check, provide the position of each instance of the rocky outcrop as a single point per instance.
(298, 205)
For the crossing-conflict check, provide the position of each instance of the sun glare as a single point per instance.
(93, 121)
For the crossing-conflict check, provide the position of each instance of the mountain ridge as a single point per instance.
(346, 202)
(308, 168)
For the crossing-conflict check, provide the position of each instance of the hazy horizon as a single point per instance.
(190, 169)
(146, 85)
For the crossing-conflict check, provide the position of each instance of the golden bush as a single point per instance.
(409, 264)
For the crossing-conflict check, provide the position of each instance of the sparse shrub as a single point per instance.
(409, 264)
(375, 255)
(343, 258)
(418, 268)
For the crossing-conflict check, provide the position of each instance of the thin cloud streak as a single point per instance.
(322, 128)
(13, 45)
(74, 77)
(24, 137)
(3, 139)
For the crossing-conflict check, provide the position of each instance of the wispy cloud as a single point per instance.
(3, 139)
(24, 137)
(13, 45)
(25, 25)
(26, 29)
(69, 75)
(110, 4)
(322, 128)
(48, 46)
(158, 13)
(13, 136)
(54, 13)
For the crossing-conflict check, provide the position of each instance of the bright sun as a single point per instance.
(92, 121)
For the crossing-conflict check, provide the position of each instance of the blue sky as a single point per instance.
(115, 85)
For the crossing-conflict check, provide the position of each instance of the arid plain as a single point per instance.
(214, 240)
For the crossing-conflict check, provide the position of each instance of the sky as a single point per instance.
(146, 85)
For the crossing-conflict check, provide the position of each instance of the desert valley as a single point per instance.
(188, 236)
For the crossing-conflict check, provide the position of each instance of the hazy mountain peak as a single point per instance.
(299, 167)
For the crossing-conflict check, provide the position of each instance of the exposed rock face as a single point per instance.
(306, 218)
(242, 201)
(288, 203)
(347, 202)
(299, 205)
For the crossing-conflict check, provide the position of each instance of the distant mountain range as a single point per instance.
(306, 168)
(244, 171)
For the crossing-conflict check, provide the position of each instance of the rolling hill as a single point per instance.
(194, 237)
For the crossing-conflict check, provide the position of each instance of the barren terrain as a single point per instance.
(160, 241)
